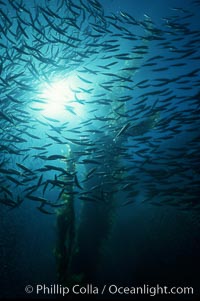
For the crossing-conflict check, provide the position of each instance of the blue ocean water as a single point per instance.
(99, 100)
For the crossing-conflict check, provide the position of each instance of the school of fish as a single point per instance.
(137, 86)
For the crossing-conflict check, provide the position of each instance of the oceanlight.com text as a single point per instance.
(112, 289)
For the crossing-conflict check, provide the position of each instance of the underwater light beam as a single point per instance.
(57, 94)
(62, 98)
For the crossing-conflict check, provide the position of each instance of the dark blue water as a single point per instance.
(148, 233)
